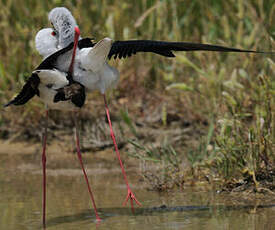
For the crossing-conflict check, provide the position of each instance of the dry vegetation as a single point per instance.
(201, 115)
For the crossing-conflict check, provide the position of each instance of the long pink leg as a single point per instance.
(44, 169)
(82, 166)
(130, 194)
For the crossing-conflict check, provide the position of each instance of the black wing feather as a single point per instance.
(86, 43)
(120, 49)
(74, 92)
(50, 62)
(29, 90)
(123, 49)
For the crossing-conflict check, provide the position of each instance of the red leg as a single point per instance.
(130, 194)
(82, 166)
(44, 169)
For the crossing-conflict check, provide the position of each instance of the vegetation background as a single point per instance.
(208, 115)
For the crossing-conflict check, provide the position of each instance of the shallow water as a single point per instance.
(69, 207)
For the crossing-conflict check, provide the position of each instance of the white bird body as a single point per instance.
(90, 68)
(47, 96)
(50, 82)
(54, 78)
(105, 78)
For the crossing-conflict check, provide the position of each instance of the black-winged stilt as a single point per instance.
(58, 90)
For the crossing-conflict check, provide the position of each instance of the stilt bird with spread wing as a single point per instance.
(90, 67)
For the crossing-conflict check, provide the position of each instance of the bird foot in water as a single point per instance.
(132, 198)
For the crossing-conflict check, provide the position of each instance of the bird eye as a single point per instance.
(53, 33)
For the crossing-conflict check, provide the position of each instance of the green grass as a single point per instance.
(233, 92)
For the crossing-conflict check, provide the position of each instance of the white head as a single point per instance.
(46, 42)
(64, 24)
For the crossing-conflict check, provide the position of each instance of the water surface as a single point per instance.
(69, 207)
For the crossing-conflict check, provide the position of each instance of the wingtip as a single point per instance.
(260, 52)
(6, 105)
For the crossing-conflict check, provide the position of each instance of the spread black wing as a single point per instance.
(29, 90)
(123, 49)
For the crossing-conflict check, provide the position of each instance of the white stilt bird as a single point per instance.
(58, 90)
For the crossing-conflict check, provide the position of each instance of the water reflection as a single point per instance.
(191, 212)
